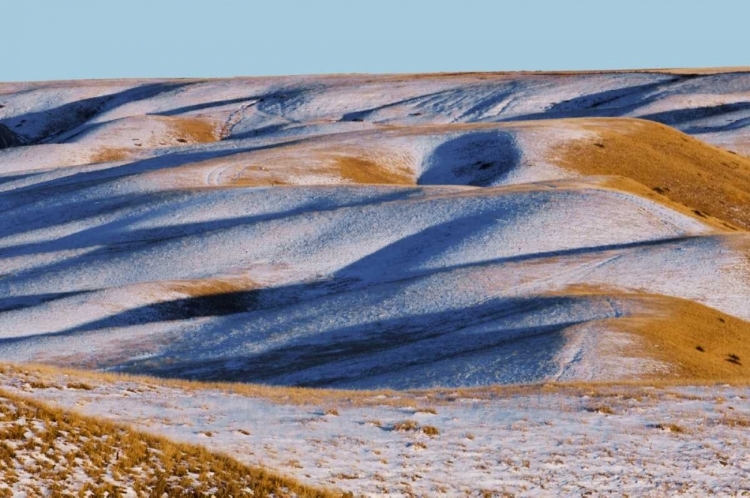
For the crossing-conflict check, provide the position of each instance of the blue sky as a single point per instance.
(58, 39)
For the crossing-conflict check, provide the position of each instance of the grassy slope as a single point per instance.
(706, 179)
(703, 343)
(652, 161)
(107, 458)
(700, 344)
(690, 176)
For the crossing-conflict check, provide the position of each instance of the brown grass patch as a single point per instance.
(109, 155)
(679, 327)
(367, 171)
(627, 185)
(406, 426)
(706, 179)
(294, 164)
(193, 130)
(735, 422)
(211, 286)
(701, 343)
(413, 426)
(426, 409)
(668, 427)
(35, 384)
(430, 430)
(602, 409)
(81, 386)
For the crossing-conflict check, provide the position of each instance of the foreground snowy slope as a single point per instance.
(46, 451)
(533, 441)
(392, 231)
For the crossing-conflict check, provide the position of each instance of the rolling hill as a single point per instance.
(400, 231)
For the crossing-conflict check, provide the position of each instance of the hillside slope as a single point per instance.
(585, 439)
(378, 231)
(48, 451)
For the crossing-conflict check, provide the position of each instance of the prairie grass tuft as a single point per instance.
(430, 430)
(669, 428)
(80, 386)
(603, 409)
(406, 426)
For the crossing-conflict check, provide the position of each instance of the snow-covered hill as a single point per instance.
(379, 231)
(526, 441)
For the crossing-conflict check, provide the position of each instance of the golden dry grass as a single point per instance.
(153, 465)
(367, 171)
(352, 164)
(308, 163)
(178, 130)
(109, 154)
(193, 130)
(701, 342)
(211, 286)
(707, 180)
(624, 184)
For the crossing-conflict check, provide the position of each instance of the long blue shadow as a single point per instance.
(67, 117)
